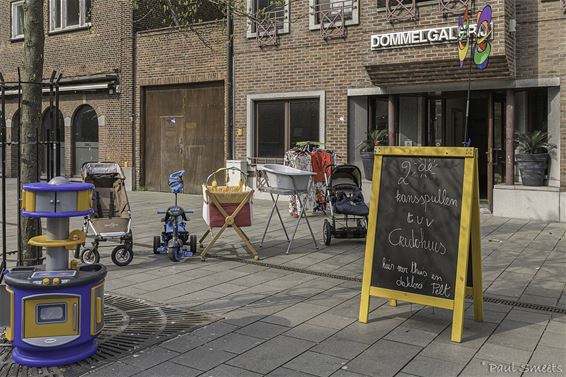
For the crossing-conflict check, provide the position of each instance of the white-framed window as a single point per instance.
(333, 11)
(17, 19)
(69, 14)
(277, 121)
(268, 16)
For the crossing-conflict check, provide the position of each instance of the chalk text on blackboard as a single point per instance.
(398, 238)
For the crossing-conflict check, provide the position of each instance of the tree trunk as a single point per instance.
(31, 113)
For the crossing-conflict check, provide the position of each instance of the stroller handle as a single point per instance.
(213, 174)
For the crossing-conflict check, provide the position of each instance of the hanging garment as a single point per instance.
(319, 160)
(300, 159)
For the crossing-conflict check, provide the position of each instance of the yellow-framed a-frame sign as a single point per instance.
(424, 227)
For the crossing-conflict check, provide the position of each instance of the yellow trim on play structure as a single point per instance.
(84, 200)
(10, 329)
(469, 229)
(76, 237)
(28, 201)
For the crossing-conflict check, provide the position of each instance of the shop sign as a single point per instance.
(417, 37)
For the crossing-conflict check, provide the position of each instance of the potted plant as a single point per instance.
(532, 156)
(367, 147)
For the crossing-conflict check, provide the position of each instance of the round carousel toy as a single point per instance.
(56, 310)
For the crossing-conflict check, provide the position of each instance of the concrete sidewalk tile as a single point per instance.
(242, 317)
(149, 357)
(370, 332)
(310, 332)
(384, 358)
(478, 367)
(263, 330)
(229, 371)
(285, 372)
(203, 358)
(117, 369)
(454, 352)
(296, 314)
(271, 354)
(425, 366)
(316, 364)
(169, 369)
(346, 373)
(497, 353)
(198, 337)
(330, 320)
(409, 335)
(340, 347)
(234, 343)
(545, 355)
(528, 316)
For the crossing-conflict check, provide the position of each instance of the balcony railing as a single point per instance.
(332, 17)
(452, 7)
(564, 5)
(268, 25)
(400, 10)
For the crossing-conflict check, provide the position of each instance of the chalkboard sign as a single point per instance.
(418, 232)
(424, 215)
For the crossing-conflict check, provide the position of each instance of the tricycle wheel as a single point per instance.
(175, 253)
(90, 256)
(156, 244)
(122, 255)
(327, 232)
(193, 243)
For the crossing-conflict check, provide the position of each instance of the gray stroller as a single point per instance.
(112, 218)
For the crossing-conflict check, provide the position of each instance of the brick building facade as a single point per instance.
(317, 78)
(94, 54)
(415, 89)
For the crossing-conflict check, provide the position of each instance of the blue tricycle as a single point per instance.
(175, 239)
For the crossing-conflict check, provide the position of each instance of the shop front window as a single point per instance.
(281, 124)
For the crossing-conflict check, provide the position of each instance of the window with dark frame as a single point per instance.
(69, 14)
(17, 19)
(280, 124)
(269, 16)
(323, 10)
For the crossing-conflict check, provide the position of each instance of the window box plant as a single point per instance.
(532, 156)
(375, 138)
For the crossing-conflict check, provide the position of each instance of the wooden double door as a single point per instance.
(183, 129)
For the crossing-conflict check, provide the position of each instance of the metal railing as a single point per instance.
(451, 7)
(400, 10)
(564, 5)
(332, 17)
(267, 26)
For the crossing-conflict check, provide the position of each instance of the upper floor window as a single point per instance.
(18, 19)
(69, 14)
(335, 12)
(268, 17)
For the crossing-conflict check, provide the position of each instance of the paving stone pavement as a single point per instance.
(284, 322)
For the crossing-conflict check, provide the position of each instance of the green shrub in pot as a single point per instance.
(532, 156)
(374, 138)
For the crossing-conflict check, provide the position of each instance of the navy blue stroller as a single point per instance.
(345, 198)
(175, 239)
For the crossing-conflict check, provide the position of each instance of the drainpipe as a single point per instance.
(134, 118)
(231, 142)
(509, 131)
(391, 119)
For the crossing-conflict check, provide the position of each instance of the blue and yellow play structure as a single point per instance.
(55, 311)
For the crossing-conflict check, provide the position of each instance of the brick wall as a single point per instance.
(541, 53)
(172, 57)
(105, 47)
(304, 61)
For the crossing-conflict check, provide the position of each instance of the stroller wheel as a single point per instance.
(156, 244)
(90, 256)
(122, 255)
(193, 243)
(327, 232)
